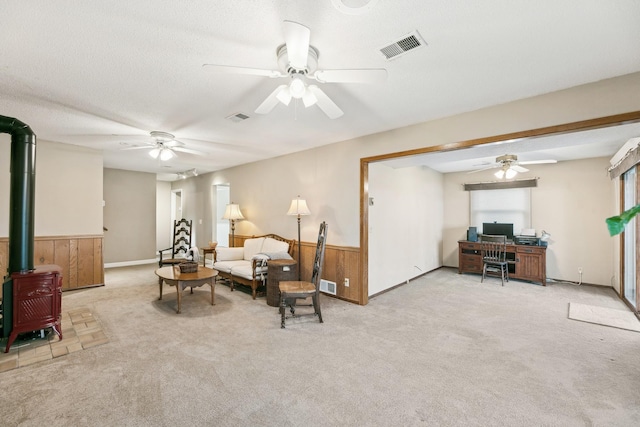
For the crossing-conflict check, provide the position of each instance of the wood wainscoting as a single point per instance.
(340, 262)
(80, 258)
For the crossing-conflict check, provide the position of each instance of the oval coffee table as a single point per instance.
(173, 277)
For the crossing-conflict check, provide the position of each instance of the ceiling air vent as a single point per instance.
(408, 42)
(237, 117)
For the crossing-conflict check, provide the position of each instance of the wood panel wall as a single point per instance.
(340, 262)
(80, 258)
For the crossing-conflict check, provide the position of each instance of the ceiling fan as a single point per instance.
(164, 146)
(509, 166)
(298, 61)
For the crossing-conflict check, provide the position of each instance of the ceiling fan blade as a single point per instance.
(297, 36)
(538, 162)
(227, 69)
(271, 101)
(371, 76)
(188, 150)
(519, 168)
(138, 147)
(173, 143)
(485, 169)
(325, 103)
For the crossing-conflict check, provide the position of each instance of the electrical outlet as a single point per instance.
(346, 282)
(579, 270)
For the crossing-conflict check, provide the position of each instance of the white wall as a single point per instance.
(571, 202)
(328, 177)
(164, 225)
(68, 198)
(405, 224)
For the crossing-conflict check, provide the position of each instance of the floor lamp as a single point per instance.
(299, 207)
(232, 213)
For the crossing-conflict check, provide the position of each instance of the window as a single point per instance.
(507, 206)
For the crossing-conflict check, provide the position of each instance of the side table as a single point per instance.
(208, 250)
(279, 270)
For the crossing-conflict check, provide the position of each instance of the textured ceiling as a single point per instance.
(103, 75)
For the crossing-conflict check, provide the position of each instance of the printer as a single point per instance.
(527, 237)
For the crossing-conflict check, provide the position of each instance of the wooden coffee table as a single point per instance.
(173, 277)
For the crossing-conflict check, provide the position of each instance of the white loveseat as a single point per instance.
(247, 265)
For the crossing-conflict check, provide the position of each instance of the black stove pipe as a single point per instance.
(22, 194)
(21, 210)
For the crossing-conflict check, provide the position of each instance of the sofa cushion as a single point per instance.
(252, 247)
(229, 254)
(244, 270)
(227, 266)
(271, 245)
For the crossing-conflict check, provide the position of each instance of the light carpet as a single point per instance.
(443, 350)
(604, 316)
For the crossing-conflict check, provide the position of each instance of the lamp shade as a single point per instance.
(166, 154)
(232, 212)
(298, 207)
(154, 153)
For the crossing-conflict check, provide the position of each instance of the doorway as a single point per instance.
(222, 196)
(176, 206)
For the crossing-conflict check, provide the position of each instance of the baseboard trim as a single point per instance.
(384, 291)
(130, 263)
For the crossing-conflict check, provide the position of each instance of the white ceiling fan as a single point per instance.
(509, 166)
(164, 146)
(298, 61)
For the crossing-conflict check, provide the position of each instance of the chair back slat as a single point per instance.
(318, 260)
(181, 237)
(494, 248)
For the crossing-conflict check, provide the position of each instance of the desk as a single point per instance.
(173, 277)
(526, 262)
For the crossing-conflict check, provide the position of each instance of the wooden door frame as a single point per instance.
(601, 122)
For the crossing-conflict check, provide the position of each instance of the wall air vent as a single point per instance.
(406, 43)
(327, 287)
(237, 117)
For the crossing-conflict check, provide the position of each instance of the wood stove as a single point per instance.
(37, 301)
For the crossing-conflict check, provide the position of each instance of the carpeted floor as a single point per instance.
(444, 350)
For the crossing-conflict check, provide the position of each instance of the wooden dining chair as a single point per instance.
(292, 291)
(494, 257)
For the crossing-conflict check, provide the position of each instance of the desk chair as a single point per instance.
(494, 256)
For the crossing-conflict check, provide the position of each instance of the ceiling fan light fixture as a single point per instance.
(499, 174)
(510, 173)
(297, 87)
(284, 95)
(166, 154)
(154, 153)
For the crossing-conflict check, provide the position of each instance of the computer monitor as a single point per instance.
(498, 229)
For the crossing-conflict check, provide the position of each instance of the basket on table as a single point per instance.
(188, 267)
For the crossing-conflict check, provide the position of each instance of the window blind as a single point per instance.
(504, 206)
